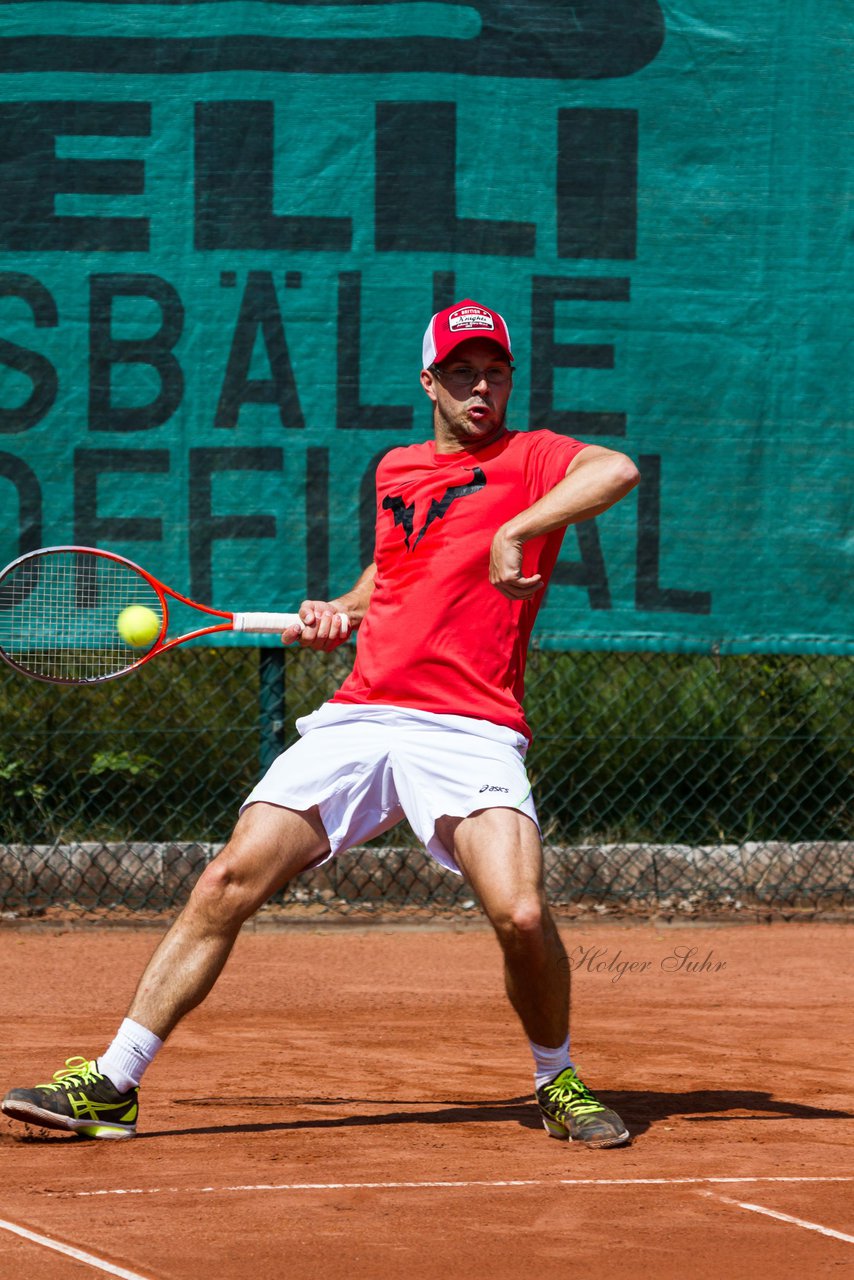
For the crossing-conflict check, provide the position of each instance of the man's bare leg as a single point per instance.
(500, 853)
(99, 1098)
(269, 846)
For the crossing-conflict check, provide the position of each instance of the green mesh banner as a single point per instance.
(224, 225)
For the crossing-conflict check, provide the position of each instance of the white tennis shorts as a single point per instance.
(368, 767)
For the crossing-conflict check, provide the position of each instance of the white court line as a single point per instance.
(70, 1251)
(782, 1217)
(405, 1186)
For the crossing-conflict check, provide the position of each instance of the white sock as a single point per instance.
(549, 1063)
(127, 1058)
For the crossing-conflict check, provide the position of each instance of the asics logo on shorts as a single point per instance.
(404, 514)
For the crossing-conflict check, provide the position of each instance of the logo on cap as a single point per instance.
(470, 318)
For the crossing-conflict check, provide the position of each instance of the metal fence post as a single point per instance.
(271, 705)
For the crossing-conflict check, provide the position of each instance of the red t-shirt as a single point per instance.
(437, 635)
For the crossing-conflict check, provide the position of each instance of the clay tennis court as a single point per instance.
(353, 1102)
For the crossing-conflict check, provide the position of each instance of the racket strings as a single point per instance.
(58, 615)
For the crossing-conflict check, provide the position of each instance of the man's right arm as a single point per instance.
(328, 623)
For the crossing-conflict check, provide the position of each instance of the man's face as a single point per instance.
(470, 390)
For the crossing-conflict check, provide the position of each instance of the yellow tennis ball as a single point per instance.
(137, 625)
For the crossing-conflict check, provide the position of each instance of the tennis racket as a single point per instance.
(59, 609)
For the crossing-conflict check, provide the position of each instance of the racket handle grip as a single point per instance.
(265, 623)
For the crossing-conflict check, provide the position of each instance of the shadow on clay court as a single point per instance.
(639, 1109)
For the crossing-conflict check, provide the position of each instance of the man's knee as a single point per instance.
(269, 846)
(222, 893)
(522, 923)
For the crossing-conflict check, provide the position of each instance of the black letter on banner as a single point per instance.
(235, 190)
(597, 181)
(34, 366)
(416, 200)
(649, 596)
(29, 501)
(91, 529)
(548, 355)
(207, 528)
(350, 412)
(259, 309)
(105, 351)
(444, 289)
(368, 509)
(534, 39)
(590, 571)
(33, 175)
(317, 522)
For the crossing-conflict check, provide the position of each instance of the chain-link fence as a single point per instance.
(665, 783)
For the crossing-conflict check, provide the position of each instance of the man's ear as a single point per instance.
(427, 383)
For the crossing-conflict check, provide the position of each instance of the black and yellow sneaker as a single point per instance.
(80, 1099)
(570, 1110)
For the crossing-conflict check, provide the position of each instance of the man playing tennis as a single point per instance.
(428, 725)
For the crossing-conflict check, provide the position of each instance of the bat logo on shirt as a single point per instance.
(405, 515)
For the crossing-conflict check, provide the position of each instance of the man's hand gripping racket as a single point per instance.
(60, 611)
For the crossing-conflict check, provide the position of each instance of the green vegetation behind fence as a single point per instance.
(632, 750)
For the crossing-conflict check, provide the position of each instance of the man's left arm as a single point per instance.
(595, 479)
